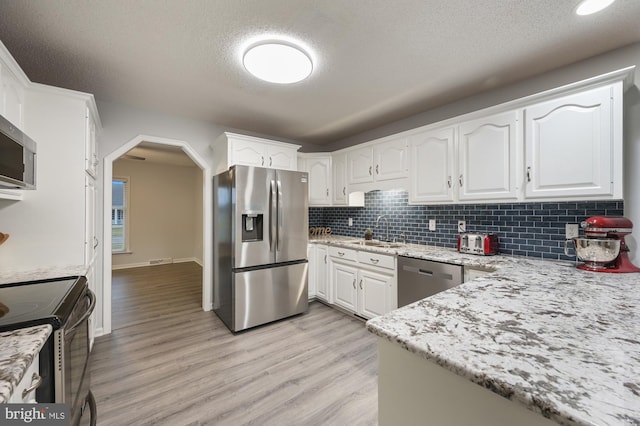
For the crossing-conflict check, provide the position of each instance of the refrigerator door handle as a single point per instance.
(279, 230)
(272, 215)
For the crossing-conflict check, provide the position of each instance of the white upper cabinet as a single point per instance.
(432, 166)
(384, 163)
(360, 165)
(90, 154)
(487, 157)
(319, 169)
(12, 97)
(391, 160)
(570, 144)
(230, 149)
(340, 195)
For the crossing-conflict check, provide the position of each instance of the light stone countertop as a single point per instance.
(560, 341)
(16, 276)
(17, 350)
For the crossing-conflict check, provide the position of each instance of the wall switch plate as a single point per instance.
(571, 230)
(462, 226)
(350, 221)
(432, 224)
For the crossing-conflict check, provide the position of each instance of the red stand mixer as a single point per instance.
(603, 249)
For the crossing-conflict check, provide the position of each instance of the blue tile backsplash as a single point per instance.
(524, 229)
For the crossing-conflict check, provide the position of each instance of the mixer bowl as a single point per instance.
(597, 252)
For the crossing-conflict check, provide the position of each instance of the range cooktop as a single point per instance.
(32, 303)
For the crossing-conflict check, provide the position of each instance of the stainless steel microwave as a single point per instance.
(17, 157)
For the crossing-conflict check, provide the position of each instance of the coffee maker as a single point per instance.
(603, 249)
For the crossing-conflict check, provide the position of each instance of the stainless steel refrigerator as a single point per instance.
(260, 234)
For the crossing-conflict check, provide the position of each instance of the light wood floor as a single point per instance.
(169, 363)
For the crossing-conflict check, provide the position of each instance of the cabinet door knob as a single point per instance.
(369, 170)
(354, 283)
(344, 191)
(460, 180)
(360, 284)
(270, 161)
(528, 174)
(262, 159)
(449, 182)
(377, 169)
(327, 192)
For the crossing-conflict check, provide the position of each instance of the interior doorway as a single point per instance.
(107, 263)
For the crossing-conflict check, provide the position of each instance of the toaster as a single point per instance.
(483, 244)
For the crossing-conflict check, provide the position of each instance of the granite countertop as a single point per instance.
(560, 341)
(16, 276)
(17, 350)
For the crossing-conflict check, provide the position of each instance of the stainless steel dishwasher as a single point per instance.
(419, 278)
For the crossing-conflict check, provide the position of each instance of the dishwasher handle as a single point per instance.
(427, 273)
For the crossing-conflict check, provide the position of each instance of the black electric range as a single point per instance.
(64, 303)
(30, 303)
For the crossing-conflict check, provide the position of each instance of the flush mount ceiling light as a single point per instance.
(587, 7)
(277, 62)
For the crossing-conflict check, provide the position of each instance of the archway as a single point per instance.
(206, 217)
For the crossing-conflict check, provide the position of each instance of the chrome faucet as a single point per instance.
(386, 219)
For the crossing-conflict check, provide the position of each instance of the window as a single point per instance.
(119, 215)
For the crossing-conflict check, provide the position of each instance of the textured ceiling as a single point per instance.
(376, 61)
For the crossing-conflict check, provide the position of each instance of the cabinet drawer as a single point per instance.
(342, 253)
(376, 259)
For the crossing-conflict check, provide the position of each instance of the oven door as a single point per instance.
(72, 353)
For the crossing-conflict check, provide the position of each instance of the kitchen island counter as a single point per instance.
(18, 349)
(562, 342)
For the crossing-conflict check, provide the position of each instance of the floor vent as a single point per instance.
(160, 261)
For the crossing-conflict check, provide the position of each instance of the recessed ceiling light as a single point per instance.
(278, 62)
(587, 7)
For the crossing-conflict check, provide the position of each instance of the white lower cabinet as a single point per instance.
(363, 282)
(344, 278)
(318, 272)
(372, 293)
(25, 391)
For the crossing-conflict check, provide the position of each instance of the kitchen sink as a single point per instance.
(375, 243)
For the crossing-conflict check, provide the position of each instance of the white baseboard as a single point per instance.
(99, 332)
(129, 265)
(139, 264)
(188, 259)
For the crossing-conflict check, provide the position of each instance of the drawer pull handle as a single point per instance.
(369, 170)
(340, 253)
(262, 158)
(374, 260)
(354, 283)
(360, 284)
(36, 381)
(528, 174)
(377, 169)
(344, 191)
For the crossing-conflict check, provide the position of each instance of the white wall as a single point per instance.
(47, 226)
(163, 222)
(610, 61)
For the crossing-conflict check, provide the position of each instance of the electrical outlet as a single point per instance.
(462, 226)
(350, 221)
(571, 230)
(432, 224)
